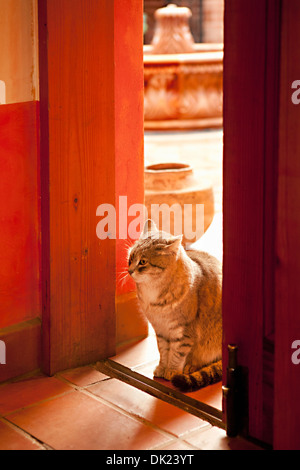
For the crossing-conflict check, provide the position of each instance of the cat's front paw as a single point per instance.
(159, 371)
(189, 369)
(169, 373)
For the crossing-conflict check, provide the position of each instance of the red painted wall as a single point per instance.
(19, 214)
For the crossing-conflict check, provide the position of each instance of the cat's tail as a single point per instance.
(201, 378)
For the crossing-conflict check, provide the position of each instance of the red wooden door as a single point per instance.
(287, 295)
(261, 210)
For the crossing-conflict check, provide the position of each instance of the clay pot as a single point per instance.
(177, 183)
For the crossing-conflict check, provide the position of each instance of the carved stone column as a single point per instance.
(172, 34)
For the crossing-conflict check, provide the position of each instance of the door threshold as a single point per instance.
(174, 397)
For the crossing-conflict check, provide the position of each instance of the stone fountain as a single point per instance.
(183, 80)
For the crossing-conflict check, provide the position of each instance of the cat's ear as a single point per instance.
(149, 226)
(174, 243)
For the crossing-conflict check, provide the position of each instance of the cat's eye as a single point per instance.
(143, 262)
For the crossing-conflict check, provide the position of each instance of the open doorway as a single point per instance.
(194, 139)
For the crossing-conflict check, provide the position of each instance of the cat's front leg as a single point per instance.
(180, 348)
(163, 347)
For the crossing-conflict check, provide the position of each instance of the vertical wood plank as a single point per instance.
(272, 76)
(244, 145)
(129, 139)
(287, 374)
(271, 112)
(129, 117)
(78, 174)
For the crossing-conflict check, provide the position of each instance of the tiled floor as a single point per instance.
(84, 409)
(143, 357)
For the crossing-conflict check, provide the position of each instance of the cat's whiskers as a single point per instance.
(122, 276)
(127, 244)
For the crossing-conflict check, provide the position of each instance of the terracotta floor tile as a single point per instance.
(27, 392)
(143, 358)
(211, 395)
(165, 416)
(177, 445)
(140, 353)
(216, 439)
(82, 376)
(11, 439)
(79, 422)
(147, 369)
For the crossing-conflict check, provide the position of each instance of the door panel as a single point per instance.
(287, 369)
(261, 211)
(243, 211)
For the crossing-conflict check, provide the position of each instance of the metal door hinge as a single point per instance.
(235, 395)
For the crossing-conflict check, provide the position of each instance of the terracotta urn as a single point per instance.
(178, 200)
(172, 34)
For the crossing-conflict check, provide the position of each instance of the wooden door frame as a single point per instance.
(91, 114)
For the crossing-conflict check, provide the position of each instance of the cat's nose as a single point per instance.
(130, 271)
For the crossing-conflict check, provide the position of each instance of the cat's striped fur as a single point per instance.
(180, 294)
